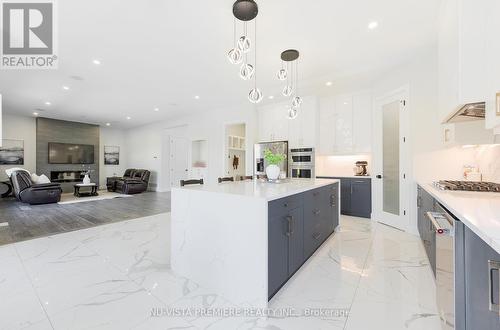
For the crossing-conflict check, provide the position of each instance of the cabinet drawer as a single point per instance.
(284, 205)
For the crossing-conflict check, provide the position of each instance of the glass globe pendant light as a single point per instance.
(246, 71)
(234, 56)
(292, 113)
(287, 90)
(282, 74)
(290, 74)
(296, 102)
(244, 44)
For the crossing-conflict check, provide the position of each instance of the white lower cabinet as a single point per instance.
(345, 124)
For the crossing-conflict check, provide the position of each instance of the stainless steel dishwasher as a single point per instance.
(443, 223)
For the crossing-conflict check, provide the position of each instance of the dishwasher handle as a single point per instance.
(436, 218)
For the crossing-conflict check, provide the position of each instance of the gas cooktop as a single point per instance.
(468, 186)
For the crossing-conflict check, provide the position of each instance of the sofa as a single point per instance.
(134, 181)
(28, 192)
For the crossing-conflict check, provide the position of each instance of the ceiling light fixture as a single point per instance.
(96, 62)
(373, 25)
(66, 88)
(271, 97)
(128, 118)
(108, 124)
(156, 109)
(328, 83)
(35, 113)
(197, 97)
(290, 72)
(245, 11)
(48, 103)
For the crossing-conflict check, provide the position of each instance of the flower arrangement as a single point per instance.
(273, 158)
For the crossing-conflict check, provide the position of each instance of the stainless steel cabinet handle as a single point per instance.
(434, 223)
(419, 201)
(493, 265)
(332, 200)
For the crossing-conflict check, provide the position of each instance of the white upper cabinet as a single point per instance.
(345, 124)
(462, 54)
(299, 132)
(492, 62)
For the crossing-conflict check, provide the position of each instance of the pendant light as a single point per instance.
(289, 72)
(245, 11)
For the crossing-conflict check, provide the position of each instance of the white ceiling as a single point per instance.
(163, 53)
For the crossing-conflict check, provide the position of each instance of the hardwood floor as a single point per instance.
(31, 221)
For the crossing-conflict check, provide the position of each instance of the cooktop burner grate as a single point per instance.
(468, 186)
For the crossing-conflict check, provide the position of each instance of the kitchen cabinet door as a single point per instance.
(481, 284)
(345, 196)
(361, 198)
(278, 252)
(492, 62)
(362, 122)
(296, 240)
(343, 124)
(265, 124)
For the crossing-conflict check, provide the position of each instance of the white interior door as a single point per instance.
(391, 160)
(179, 160)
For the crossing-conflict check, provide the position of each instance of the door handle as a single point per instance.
(493, 265)
(379, 176)
(289, 221)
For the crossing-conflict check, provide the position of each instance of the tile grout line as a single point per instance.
(33, 287)
(361, 275)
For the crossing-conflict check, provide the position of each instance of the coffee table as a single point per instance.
(92, 192)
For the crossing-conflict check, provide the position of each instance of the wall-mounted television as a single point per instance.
(66, 153)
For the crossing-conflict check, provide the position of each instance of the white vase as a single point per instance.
(273, 172)
(86, 179)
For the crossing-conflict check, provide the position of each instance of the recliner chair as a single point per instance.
(133, 182)
(27, 192)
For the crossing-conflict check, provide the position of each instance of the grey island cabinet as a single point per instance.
(298, 225)
(243, 240)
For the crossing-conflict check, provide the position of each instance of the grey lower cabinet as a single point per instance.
(482, 284)
(356, 196)
(298, 225)
(425, 203)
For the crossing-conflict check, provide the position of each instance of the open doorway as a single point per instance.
(235, 150)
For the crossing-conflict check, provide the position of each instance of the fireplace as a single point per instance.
(67, 176)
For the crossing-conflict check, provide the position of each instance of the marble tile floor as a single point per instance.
(117, 276)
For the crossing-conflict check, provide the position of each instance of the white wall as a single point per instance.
(342, 165)
(145, 148)
(112, 137)
(20, 128)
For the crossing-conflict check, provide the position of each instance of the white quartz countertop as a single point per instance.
(262, 189)
(480, 211)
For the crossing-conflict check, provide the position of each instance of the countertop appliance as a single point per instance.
(302, 162)
(444, 225)
(468, 186)
(361, 168)
(259, 161)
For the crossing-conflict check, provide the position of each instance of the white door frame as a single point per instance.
(403, 221)
(225, 146)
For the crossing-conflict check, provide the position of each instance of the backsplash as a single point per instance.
(340, 165)
(488, 161)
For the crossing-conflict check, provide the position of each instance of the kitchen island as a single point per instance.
(243, 240)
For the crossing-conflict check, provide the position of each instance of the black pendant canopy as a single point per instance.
(245, 10)
(290, 55)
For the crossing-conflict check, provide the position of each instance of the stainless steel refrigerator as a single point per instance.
(259, 161)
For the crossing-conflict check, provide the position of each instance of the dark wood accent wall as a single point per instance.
(52, 130)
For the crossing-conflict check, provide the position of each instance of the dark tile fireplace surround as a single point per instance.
(51, 130)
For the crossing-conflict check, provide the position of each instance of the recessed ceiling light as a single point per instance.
(48, 103)
(197, 97)
(373, 25)
(156, 109)
(96, 62)
(108, 124)
(271, 97)
(345, 103)
(128, 118)
(35, 113)
(66, 88)
(328, 83)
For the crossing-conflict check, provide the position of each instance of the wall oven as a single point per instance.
(302, 163)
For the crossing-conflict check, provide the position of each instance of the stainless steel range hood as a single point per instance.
(468, 112)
